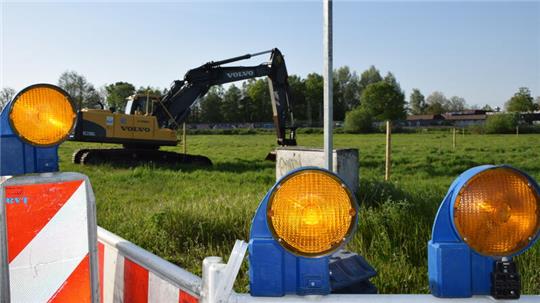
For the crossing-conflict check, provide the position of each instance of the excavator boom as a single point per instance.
(174, 107)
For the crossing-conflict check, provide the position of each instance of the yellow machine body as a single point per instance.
(97, 125)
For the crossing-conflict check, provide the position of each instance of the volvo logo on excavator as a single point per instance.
(248, 73)
(135, 129)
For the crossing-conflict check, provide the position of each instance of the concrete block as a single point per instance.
(345, 162)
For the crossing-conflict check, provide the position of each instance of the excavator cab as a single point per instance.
(140, 104)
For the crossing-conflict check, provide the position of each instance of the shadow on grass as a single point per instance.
(238, 166)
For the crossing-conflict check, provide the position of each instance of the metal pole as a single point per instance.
(327, 74)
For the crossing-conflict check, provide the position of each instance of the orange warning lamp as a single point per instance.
(311, 213)
(42, 115)
(32, 125)
(490, 214)
(497, 212)
(308, 215)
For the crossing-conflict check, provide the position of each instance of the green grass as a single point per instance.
(184, 214)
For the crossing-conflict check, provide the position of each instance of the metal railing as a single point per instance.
(216, 286)
(168, 275)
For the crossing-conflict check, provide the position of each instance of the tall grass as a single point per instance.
(185, 214)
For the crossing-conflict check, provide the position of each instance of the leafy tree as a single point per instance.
(6, 94)
(83, 93)
(417, 102)
(537, 101)
(195, 113)
(456, 104)
(346, 91)
(487, 108)
(522, 101)
(93, 99)
(358, 120)
(369, 76)
(314, 99)
(247, 106)
(211, 105)
(298, 97)
(436, 103)
(230, 107)
(117, 94)
(152, 91)
(383, 101)
(257, 90)
(501, 123)
(391, 79)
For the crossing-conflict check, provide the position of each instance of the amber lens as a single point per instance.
(42, 115)
(311, 213)
(497, 212)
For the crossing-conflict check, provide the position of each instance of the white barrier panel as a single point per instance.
(345, 162)
(131, 274)
(48, 232)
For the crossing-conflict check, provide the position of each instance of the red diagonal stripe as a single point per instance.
(135, 282)
(187, 298)
(101, 263)
(30, 207)
(77, 286)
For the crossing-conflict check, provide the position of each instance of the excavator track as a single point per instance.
(139, 156)
(77, 155)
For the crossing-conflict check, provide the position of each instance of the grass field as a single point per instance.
(185, 214)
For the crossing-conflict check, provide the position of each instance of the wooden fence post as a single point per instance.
(388, 150)
(184, 143)
(454, 138)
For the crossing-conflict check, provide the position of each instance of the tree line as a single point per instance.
(369, 96)
(250, 101)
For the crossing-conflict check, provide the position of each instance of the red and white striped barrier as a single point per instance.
(129, 273)
(48, 232)
(50, 253)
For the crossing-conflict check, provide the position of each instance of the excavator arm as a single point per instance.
(174, 107)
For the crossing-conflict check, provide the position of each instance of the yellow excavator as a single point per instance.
(151, 122)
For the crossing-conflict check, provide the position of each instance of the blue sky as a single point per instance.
(482, 51)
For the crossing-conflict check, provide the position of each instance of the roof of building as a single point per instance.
(465, 117)
(467, 112)
(424, 117)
